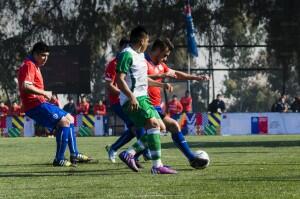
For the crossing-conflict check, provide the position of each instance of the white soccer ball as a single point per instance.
(204, 156)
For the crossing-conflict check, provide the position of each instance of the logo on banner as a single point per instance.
(259, 125)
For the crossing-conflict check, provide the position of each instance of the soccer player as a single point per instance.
(132, 81)
(34, 99)
(113, 95)
(157, 69)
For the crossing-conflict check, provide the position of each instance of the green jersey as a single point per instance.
(134, 65)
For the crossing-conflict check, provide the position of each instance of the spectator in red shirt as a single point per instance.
(3, 113)
(83, 107)
(174, 106)
(186, 102)
(100, 108)
(15, 109)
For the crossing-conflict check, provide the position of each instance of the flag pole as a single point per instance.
(189, 72)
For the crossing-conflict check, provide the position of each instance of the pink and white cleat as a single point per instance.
(163, 170)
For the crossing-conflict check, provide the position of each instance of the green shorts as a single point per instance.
(144, 112)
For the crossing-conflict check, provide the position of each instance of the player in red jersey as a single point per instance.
(34, 99)
(157, 69)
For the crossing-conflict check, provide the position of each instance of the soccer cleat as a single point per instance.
(62, 163)
(111, 154)
(198, 163)
(129, 160)
(163, 170)
(80, 158)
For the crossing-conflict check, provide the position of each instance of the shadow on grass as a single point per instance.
(256, 179)
(71, 172)
(168, 145)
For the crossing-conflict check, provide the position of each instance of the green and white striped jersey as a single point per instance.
(134, 65)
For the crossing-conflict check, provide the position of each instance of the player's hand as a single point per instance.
(203, 77)
(48, 94)
(134, 104)
(168, 87)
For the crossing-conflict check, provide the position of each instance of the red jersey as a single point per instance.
(174, 107)
(4, 110)
(99, 109)
(154, 92)
(29, 72)
(110, 75)
(186, 103)
(15, 110)
(83, 108)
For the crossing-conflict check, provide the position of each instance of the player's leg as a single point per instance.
(180, 141)
(75, 155)
(148, 117)
(125, 137)
(50, 116)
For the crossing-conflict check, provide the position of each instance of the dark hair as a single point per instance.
(162, 45)
(39, 47)
(137, 34)
(124, 41)
(174, 96)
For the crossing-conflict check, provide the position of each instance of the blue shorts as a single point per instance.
(47, 115)
(160, 112)
(117, 108)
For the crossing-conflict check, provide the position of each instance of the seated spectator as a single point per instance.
(83, 106)
(174, 106)
(281, 105)
(186, 102)
(70, 106)
(15, 109)
(217, 105)
(296, 105)
(99, 108)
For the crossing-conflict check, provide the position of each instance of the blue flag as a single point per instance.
(190, 32)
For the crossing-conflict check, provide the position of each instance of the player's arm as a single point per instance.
(185, 76)
(125, 89)
(30, 88)
(112, 88)
(154, 83)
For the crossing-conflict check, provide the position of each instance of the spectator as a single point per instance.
(296, 105)
(3, 113)
(174, 106)
(83, 106)
(15, 109)
(70, 106)
(217, 105)
(186, 102)
(281, 105)
(99, 108)
(3, 109)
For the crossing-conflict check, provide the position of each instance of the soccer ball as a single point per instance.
(204, 156)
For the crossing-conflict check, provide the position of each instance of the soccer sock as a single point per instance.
(181, 143)
(61, 142)
(122, 140)
(139, 133)
(72, 143)
(139, 146)
(154, 146)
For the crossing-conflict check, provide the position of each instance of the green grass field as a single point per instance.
(241, 167)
